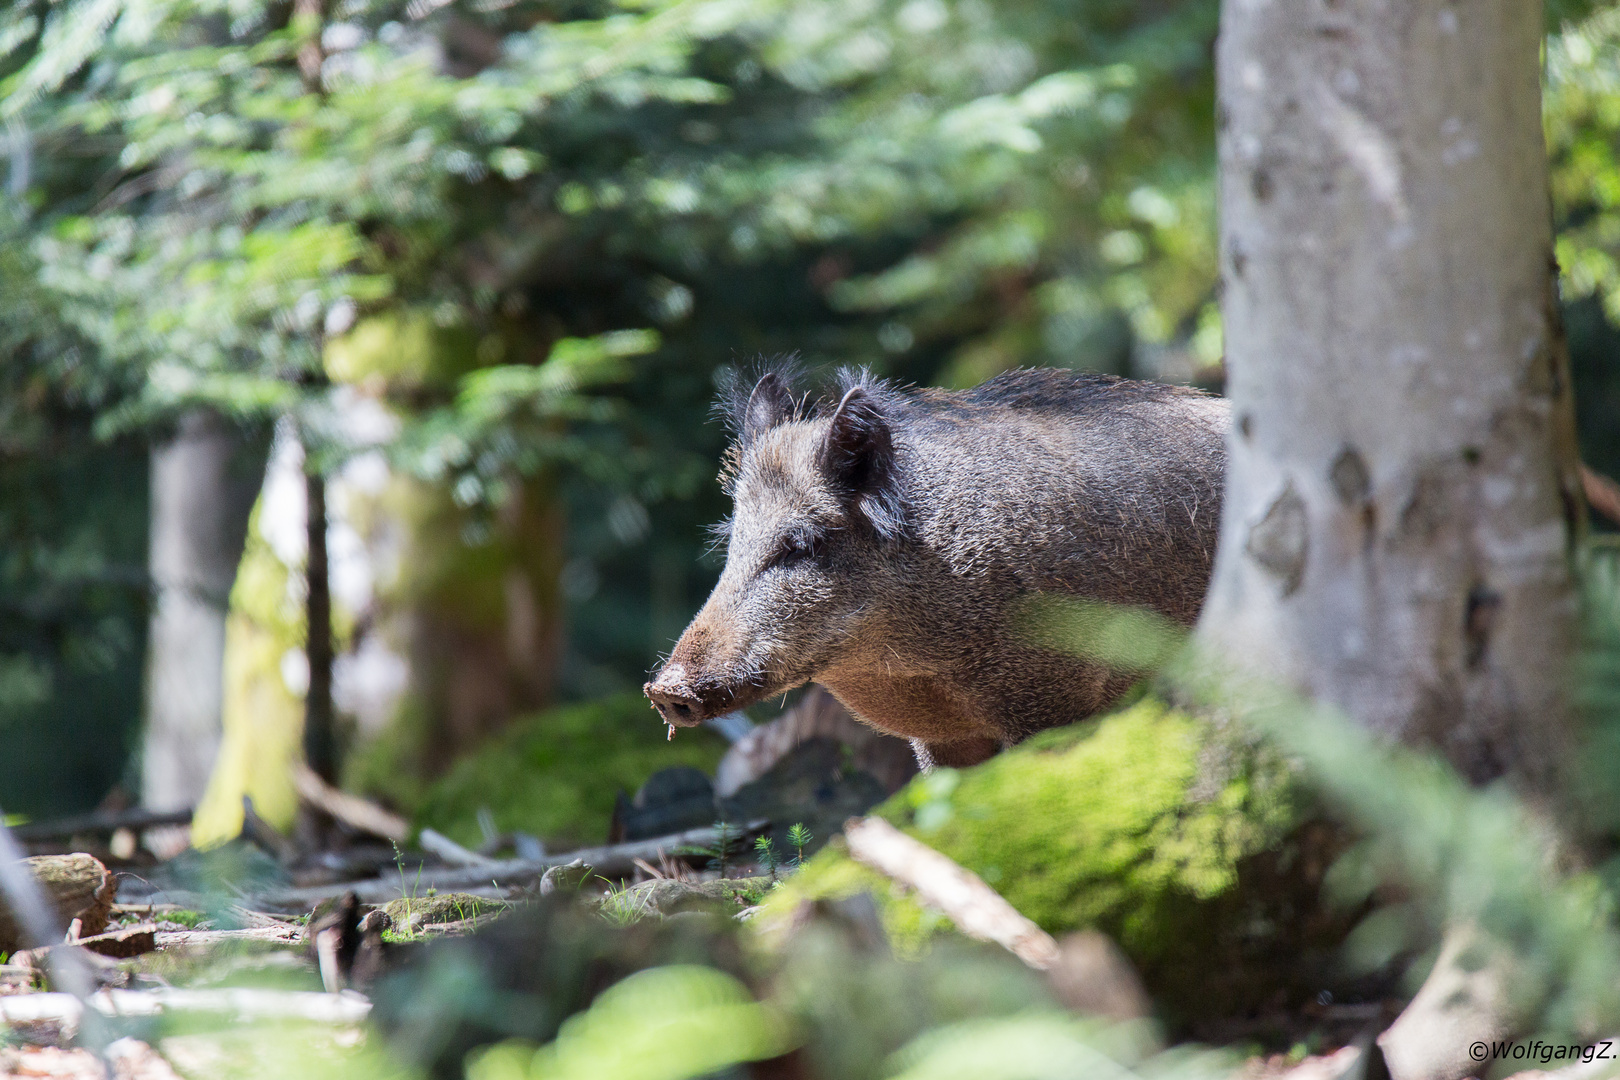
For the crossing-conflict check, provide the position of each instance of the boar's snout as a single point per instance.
(675, 707)
(683, 704)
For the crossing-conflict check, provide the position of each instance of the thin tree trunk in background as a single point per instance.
(320, 744)
(1403, 495)
(477, 667)
(198, 525)
(310, 53)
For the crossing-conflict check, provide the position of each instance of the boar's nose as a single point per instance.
(676, 705)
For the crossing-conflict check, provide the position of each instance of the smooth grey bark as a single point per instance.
(202, 493)
(1403, 495)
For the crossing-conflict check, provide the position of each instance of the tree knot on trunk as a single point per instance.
(1483, 606)
(1278, 541)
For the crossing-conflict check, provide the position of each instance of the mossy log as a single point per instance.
(1184, 840)
(79, 886)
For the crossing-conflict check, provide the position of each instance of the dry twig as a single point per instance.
(948, 887)
(355, 812)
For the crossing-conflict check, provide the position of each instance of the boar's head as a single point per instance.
(818, 515)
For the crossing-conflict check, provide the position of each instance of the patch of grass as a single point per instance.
(624, 905)
(191, 920)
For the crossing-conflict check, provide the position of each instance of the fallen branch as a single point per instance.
(281, 934)
(436, 843)
(949, 888)
(147, 938)
(607, 861)
(98, 823)
(353, 811)
(240, 1003)
(1602, 493)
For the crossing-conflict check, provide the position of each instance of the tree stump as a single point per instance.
(79, 886)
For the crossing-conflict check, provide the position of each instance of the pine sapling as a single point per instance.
(765, 852)
(799, 837)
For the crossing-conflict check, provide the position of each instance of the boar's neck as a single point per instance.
(1123, 509)
(917, 707)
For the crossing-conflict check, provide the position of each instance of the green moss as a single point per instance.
(554, 774)
(662, 896)
(388, 766)
(411, 915)
(1127, 823)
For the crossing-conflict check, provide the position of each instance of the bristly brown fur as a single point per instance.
(885, 539)
(738, 384)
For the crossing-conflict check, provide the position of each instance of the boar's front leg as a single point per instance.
(957, 754)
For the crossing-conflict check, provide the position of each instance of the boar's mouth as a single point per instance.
(684, 703)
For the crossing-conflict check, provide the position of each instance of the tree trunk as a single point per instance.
(1403, 495)
(200, 506)
(320, 740)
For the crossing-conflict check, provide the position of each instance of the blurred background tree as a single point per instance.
(483, 260)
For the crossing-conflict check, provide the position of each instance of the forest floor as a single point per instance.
(334, 951)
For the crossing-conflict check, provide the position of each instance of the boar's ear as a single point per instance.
(770, 404)
(857, 457)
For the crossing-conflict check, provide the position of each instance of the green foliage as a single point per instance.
(1109, 824)
(269, 1051)
(1562, 12)
(554, 774)
(73, 600)
(73, 586)
(1583, 132)
(1047, 1046)
(1043, 171)
(683, 1021)
(1598, 685)
(667, 1023)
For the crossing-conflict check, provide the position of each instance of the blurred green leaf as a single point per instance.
(667, 1023)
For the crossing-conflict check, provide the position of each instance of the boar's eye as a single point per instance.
(795, 549)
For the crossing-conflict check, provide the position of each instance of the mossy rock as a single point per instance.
(555, 774)
(1177, 837)
(413, 914)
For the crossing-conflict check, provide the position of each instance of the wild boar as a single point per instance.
(882, 541)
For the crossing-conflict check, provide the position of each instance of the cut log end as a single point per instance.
(80, 888)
